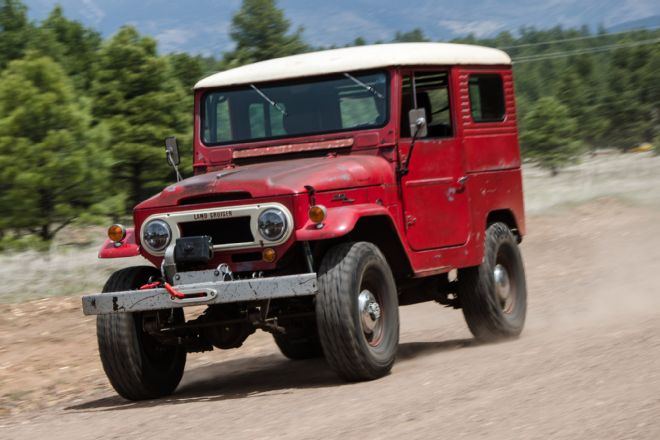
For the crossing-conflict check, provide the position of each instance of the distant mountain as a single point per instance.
(652, 22)
(202, 26)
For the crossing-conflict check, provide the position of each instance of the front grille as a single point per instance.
(221, 231)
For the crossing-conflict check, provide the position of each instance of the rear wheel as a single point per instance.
(138, 365)
(493, 295)
(357, 311)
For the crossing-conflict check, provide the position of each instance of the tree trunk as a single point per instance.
(45, 233)
(46, 208)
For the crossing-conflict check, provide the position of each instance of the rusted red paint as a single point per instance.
(292, 148)
(439, 209)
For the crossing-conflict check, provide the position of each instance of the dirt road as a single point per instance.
(587, 365)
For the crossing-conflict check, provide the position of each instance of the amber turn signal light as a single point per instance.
(269, 255)
(317, 213)
(116, 233)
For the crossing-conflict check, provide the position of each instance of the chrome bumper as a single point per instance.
(205, 293)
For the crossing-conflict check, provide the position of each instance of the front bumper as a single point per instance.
(205, 293)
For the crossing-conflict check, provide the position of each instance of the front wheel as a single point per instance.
(493, 295)
(357, 311)
(138, 366)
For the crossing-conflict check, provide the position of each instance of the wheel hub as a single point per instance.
(502, 284)
(370, 312)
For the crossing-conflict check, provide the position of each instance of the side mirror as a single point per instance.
(417, 121)
(172, 151)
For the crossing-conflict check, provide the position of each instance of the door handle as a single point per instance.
(461, 183)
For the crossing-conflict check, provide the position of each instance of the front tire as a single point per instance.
(357, 311)
(493, 295)
(138, 366)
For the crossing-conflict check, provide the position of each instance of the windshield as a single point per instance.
(314, 106)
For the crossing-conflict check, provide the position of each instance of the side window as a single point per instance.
(432, 92)
(487, 98)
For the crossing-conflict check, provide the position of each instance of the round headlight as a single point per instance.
(157, 235)
(272, 224)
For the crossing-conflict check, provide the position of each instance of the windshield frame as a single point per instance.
(387, 98)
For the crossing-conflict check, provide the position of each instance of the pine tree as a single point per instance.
(139, 102)
(50, 169)
(15, 30)
(189, 69)
(413, 36)
(550, 137)
(260, 31)
(71, 44)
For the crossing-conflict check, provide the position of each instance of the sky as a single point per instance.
(202, 26)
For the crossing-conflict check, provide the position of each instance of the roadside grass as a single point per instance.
(632, 178)
(69, 267)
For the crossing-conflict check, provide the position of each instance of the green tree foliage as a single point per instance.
(189, 69)
(70, 43)
(15, 30)
(50, 169)
(359, 41)
(413, 36)
(551, 135)
(261, 31)
(138, 101)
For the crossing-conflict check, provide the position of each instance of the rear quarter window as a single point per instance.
(487, 98)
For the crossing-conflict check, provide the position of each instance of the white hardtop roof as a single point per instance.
(356, 58)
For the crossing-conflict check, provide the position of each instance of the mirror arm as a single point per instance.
(404, 169)
(176, 168)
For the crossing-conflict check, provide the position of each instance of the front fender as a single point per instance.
(128, 247)
(340, 221)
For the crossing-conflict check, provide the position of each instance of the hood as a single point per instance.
(280, 178)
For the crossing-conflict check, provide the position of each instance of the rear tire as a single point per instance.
(493, 295)
(137, 365)
(357, 311)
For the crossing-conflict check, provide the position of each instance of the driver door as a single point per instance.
(435, 201)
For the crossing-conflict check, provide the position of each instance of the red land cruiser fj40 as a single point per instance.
(329, 188)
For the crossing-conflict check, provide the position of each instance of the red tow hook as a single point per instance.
(170, 289)
(173, 292)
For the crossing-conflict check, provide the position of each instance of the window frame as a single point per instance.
(452, 113)
(297, 81)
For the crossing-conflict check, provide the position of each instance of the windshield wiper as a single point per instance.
(268, 100)
(364, 85)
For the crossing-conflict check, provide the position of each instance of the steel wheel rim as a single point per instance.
(370, 311)
(505, 286)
